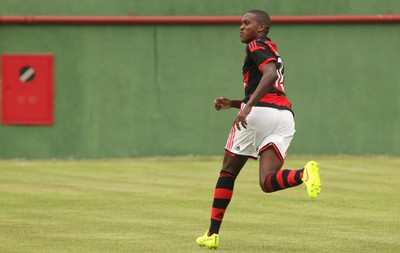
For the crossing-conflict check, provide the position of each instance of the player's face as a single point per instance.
(249, 28)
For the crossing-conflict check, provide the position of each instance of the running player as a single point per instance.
(263, 127)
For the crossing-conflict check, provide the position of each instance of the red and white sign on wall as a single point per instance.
(27, 89)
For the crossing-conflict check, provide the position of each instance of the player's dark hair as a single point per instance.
(262, 18)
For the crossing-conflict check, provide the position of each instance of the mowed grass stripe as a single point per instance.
(163, 204)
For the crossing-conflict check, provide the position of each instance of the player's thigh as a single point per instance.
(280, 137)
(233, 163)
(270, 162)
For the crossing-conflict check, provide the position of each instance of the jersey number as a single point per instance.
(279, 83)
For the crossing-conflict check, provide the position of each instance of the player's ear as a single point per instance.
(263, 28)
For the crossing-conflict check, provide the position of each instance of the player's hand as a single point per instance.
(241, 117)
(222, 103)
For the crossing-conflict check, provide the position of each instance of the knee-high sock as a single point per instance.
(283, 179)
(222, 196)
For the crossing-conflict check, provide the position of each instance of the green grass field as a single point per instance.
(163, 204)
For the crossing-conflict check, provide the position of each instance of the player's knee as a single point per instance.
(263, 187)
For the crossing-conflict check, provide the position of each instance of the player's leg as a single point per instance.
(223, 192)
(231, 168)
(273, 142)
(272, 177)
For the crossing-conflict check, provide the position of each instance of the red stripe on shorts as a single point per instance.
(231, 137)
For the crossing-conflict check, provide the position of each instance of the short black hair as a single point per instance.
(262, 17)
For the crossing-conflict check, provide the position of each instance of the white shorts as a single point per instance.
(266, 127)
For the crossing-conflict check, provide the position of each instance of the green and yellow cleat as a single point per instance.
(211, 242)
(311, 179)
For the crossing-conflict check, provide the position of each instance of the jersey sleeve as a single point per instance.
(260, 53)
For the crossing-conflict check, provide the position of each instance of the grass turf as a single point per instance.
(163, 204)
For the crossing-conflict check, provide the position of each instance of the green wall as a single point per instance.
(195, 7)
(139, 90)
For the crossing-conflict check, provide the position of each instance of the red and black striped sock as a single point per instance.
(222, 196)
(283, 179)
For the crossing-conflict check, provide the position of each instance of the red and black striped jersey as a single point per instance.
(258, 53)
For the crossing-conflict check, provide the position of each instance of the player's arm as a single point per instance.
(267, 81)
(226, 103)
(269, 76)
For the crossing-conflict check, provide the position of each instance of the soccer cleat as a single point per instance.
(211, 242)
(311, 179)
